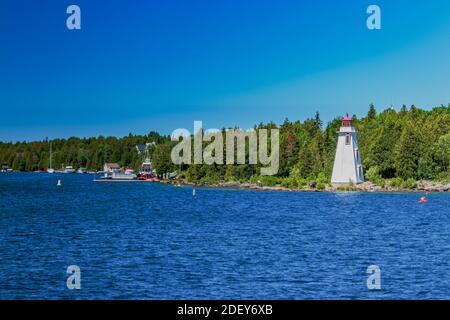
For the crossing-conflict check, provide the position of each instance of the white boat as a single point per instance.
(69, 169)
(123, 176)
(82, 170)
(119, 175)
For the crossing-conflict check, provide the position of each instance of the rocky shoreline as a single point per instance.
(421, 186)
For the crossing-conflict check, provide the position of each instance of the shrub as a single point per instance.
(373, 175)
(322, 179)
(409, 184)
(268, 181)
(396, 182)
(320, 186)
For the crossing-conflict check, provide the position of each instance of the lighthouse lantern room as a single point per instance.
(347, 167)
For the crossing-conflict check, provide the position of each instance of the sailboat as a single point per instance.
(50, 169)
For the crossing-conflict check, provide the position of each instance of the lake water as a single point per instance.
(155, 241)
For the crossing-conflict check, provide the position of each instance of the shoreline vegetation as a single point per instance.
(404, 150)
(368, 186)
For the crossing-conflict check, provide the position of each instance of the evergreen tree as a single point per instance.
(372, 112)
(408, 152)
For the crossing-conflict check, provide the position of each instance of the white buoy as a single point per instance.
(59, 183)
(193, 192)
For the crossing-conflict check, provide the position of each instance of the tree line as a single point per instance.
(410, 143)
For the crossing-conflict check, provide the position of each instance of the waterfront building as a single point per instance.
(347, 167)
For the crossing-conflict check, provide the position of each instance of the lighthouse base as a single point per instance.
(337, 184)
(348, 182)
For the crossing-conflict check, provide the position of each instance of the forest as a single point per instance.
(405, 145)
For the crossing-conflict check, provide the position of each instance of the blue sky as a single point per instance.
(137, 66)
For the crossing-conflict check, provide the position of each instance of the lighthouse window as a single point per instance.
(347, 139)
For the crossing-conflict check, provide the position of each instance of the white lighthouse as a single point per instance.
(347, 167)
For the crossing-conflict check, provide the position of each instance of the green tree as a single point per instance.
(162, 162)
(441, 153)
(372, 112)
(408, 152)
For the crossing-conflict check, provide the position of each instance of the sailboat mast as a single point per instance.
(50, 154)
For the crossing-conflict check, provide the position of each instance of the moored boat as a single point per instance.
(82, 170)
(146, 171)
(69, 169)
(112, 171)
(119, 175)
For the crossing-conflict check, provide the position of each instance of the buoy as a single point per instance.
(423, 200)
(59, 183)
(193, 192)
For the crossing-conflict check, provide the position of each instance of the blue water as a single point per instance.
(154, 241)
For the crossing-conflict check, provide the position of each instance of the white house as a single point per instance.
(111, 167)
(347, 167)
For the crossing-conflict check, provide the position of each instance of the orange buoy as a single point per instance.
(423, 200)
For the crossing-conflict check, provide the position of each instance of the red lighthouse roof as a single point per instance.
(347, 121)
(347, 118)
